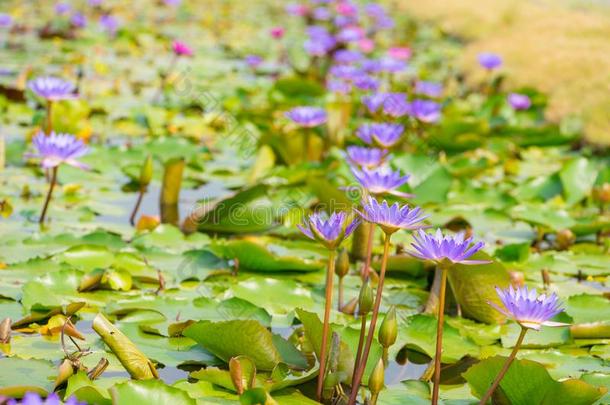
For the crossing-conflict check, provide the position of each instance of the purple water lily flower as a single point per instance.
(253, 61)
(347, 72)
(330, 231)
(391, 65)
(321, 14)
(32, 398)
(396, 105)
(373, 102)
(489, 60)
(430, 89)
(56, 149)
(366, 82)
(62, 8)
(5, 20)
(79, 20)
(109, 23)
(528, 308)
(52, 88)
(392, 218)
(381, 181)
(172, 3)
(425, 110)
(382, 134)
(440, 248)
(366, 157)
(350, 34)
(347, 56)
(338, 86)
(519, 101)
(319, 45)
(297, 10)
(307, 116)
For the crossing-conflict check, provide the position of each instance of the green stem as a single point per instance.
(132, 218)
(374, 399)
(505, 368)
(360, 344)
(340, 299)
(369, 252)
(330, 275)
(49, 193)
(369, 339)
(49, 127)
(439, 334)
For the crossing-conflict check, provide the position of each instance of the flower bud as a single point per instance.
(388, 331)
(236, 375)
(147, 171)
(376, 379)
(342, 263)
(602, 193)
(565, 239)
(365, 299)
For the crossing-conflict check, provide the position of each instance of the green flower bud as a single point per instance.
(342, 263)
(376, 379)
(146, 172)
(388, 331)
(365, 300)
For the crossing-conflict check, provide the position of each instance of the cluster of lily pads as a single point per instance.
(339, 105)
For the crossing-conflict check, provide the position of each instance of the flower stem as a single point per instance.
(330, 275)
(132, 218)
(340, 299)
(164, 76)
(369, 252)
(360, 344)
(49, 193)
(369, 340)
(49, 126)
(439, 333)
(505, 368)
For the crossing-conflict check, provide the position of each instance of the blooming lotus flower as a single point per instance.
(109, 23)
(489, 60)
(391, 218)
(366, 157)
(330, 231)
(400, 52)
(32, 398)
(519, 101)
(253, 61)
(297, 10)
(52, 88)
(181, 49)
(374, 102)
(62, 8)
(381, 181)
(528, 308)
(391, 65)
(347, 56)
(430, 89)
(350, 34)
(55, 149)
(396, 105)
(366, 45)
(382, 134)
(425, 110)
(307, 117)
(5, 20)
(321, 14)
(319, 43)
(366, 82)
(440, 248)
(277, 32)
(348, 72)
(79, 20)
(338, 86)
